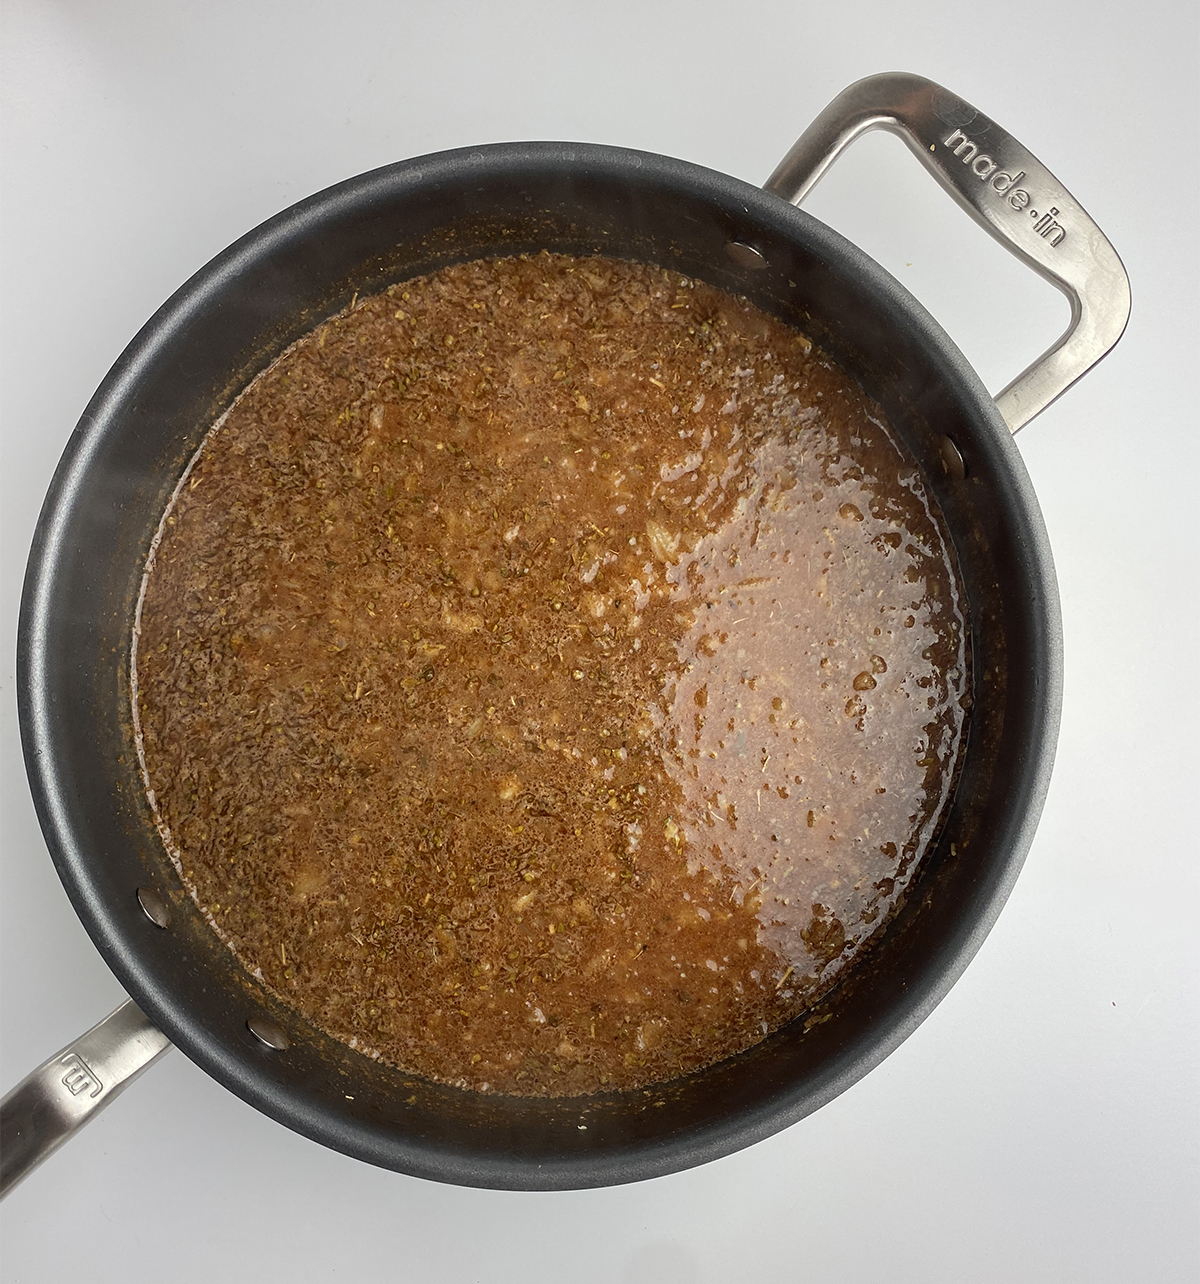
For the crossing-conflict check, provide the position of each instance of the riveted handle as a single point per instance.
(1003, 186)
(70, 1089)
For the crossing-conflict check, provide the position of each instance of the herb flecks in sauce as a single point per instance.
(550, 674)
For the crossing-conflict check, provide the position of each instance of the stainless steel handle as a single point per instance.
(59, 1097)
(1004, 187)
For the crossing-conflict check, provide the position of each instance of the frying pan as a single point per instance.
(237, 314)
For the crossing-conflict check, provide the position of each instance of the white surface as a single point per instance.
(1042, 1125)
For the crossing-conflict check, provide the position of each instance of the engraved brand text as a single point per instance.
(1007, 185)
(80, 1077)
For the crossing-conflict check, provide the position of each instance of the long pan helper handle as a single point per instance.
(59, 1097)
(1004, 187)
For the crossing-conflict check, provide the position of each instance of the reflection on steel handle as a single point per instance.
(1006, 189)
(59, 1097)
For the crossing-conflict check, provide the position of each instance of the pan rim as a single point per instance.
(250, 1079)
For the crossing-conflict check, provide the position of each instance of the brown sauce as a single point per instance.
(549, 674)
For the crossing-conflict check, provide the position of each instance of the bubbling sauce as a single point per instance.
(549, 674)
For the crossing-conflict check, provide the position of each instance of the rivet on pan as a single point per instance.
(952, 460)
(269, 1033)
(746, 256)
(154, 906)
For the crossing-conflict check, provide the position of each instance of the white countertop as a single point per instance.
(1042, 1125)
